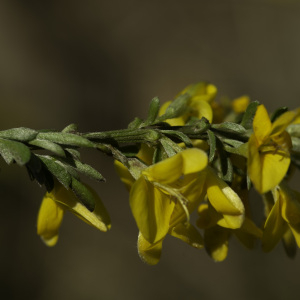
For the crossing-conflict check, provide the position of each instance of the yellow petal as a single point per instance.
(146, 154)
(208, 216)
(290, 204)
(216, 242)
(99, 218)
(225, 200)
(149, 253)
(262, 125)
(124, 174)
(201, 91)
(189, 234)
(274, 228)
(201, 109)
(291, 210)
(152, 210)
(266, 170)
(283, 121)
(274, 168)
(183, 163)
(289, 244)
(240, 104)
(248, 233)
(49, 220)
(254, 163)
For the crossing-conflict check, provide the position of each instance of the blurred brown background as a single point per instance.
(98, 64)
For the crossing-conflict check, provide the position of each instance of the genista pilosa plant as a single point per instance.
(192, 155)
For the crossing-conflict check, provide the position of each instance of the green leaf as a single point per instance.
(82, 168)
(153, 112)
(167, 145)
(225, 162)
(179, 135)
(37, 171)
(20, 134)
(83, 194)
(135, 123)
(212, 145)
(229, 127)
(69, 139)
(249, 115)
(294, 130)
(70, 128)
(14, 151)
(159, 154)
(57, 169)
(74, 153)
(242, 149)
(48, 145)
(176, 108)
(232, 143)
(296, 144)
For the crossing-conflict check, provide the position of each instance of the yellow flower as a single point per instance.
(284, 216)
(216, 236)
(167, 192)
(240, 104)
(269, 145)
(225, 201)
(198, 105)
(58, 201)
(162, 198)
(164, 195)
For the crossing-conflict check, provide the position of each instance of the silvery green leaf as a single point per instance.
(294, 130)
(176, 108)
(65, 139)
(249, 115)
(179, 135)
(70, 128)
(14, 151)
(48, 145)
(229, 127)
(212, 145)
(20, 134)
(83, 194)
(57, 169)
(153, 112)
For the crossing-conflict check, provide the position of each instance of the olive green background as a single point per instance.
(98, 64)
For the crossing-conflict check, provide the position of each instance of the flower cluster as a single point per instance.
(213, 175)
(192, 155)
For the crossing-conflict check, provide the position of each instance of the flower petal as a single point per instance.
(274, 228)
(149, 253)
(124, 174)
(240, 104)
(183, 163)
(225, 201)
(189, 234)
(152, 210)
(266, 170)
(208, 216)
(291, 209)
(201, 108)
(49, 220)
(262, 125)
(274, 168)
(99, 218)
(248, 233)
(283, 121)
(216, 242)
